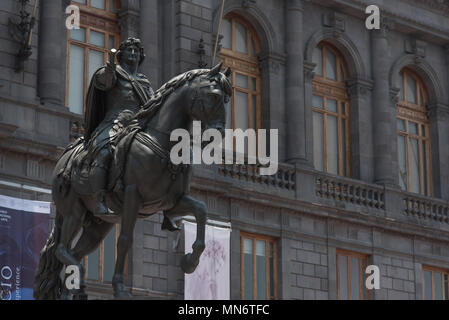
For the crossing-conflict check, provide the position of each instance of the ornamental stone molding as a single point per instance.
(438, 112)
(394, 95)
(309, 72)
(427, 73)
(344, 44)
(359, 87)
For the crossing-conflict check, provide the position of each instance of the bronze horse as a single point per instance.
(150, 183)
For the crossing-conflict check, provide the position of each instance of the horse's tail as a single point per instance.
(47, 281)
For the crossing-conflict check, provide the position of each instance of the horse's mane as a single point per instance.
(161, 95)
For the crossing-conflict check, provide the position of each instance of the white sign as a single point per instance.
(211, 279)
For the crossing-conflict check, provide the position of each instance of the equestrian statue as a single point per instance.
(120, 170)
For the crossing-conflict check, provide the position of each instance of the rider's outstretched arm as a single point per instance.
(105, 78)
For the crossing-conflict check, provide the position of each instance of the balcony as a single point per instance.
(294, 187)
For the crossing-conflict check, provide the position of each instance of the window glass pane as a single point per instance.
(111, 42)
(413, 159)
(248, 269)
(76, 79)
(423, 130)
(112, 6)
(78, 34)
(355, 280)
(272, 270)
(261, 270)
(427, 285)
(254, 84)
(93, 265)
(343, 108)
(254, 112)
(241, 109)
(421, 99)
(226, 33)
(401, 88)
(99, 4)
(343, 277)
(332, 144)
(401, 125)
(318, 60)
(446, 286)
(241, 43)
(96, 60)
(437, 281)
(413, 128)
(402, 162)
(342, 72)
(318, 142)
(97, 38)
(343, 140)
(331, 105)
(228, 115)
(318, 102)
(331, 65)
(80, 1)
(252, 48)
(426, 187)
(109, 259)
(241, 81)
(411, 89)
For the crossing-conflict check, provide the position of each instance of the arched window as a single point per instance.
(87, 47)
(87, 50)
(331, 130)
(413, 135)
(240, 47)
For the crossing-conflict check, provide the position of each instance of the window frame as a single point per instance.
(434, 270)
(416, 113)
(360, 257)
(91, 19)
(246, 65)
(335, 90)
(100, 279)
(267, 239)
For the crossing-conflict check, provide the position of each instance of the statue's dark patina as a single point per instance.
(121, 170)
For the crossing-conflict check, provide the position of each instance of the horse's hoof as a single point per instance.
(123, 295)
(188, 264)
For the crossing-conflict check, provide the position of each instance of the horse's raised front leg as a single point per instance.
(188, 205)
(131, 208)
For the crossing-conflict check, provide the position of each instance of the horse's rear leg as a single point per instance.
(71, 225)
(189, 205)
(131, 206)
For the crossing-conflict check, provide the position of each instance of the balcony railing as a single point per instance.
(317, 187)
(426, 208)
(284, 179)
(350, 191)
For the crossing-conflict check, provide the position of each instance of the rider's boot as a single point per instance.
(99, 181)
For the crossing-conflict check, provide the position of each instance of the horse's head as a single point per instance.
(212, 91)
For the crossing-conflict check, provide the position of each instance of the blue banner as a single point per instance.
(24, 229)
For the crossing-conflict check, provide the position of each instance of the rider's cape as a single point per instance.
(95, 99)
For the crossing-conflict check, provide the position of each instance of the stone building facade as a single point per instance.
(315, 219)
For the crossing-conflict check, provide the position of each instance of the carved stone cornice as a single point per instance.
(335, 20)
(295, 5)
(359, 87)
(272, 62)
(386, 25)
(441, 6)
(416, 47)
(309, 71)
(438, 112)
(404, 17)
(394, 95)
